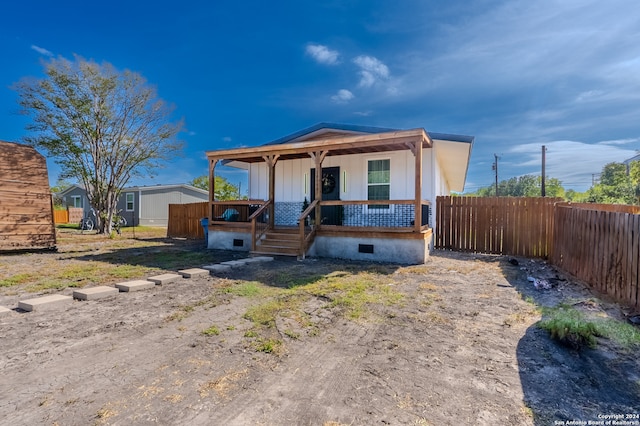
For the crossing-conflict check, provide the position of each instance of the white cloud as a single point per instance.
(572, 162)
(227, 139)
(343, 96)
(322, 54)
(371, 70)
(41, 50)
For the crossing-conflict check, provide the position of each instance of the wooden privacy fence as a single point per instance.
(597, 243)
(600, 247)
(60, 216)
(184, 220)
(520, 226)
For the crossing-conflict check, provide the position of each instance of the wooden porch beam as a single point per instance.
(364, 142)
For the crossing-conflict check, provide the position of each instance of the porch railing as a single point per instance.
(235, 210)
(307, 231)
(259, 223)
(383, 215)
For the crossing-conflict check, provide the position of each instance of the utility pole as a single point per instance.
(543, 183)
(495, 167)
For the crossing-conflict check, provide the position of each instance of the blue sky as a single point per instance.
(515, 74)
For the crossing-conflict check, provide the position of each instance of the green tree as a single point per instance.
(103, 126)
(615, 187)
(523, 186)
(60, 186)
(224, 190)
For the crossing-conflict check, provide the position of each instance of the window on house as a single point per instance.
(378, 182)
(129, 200)
(76, 201)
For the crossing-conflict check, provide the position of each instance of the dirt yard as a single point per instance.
(313, 342)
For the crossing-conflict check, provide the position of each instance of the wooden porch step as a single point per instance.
(279, 242)
(285, 236)
(274, 250)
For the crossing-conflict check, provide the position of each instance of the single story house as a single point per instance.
(26, 210)
(374, 199)
(141, 205)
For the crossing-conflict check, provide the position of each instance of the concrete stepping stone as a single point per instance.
(217, 268)
(193, 272)
(93, 293)
(258, 259)
(234, 263)
(44, 303)
(164, 278)
(135, 285)
(4, 310)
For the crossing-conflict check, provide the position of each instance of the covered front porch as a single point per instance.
(374, 227)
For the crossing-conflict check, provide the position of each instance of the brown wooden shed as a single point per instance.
(26, 209)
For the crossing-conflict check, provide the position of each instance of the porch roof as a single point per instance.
(334, 143)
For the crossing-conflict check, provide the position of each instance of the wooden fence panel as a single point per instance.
(600, 247)
(498, 225)
(60, 216)
(184, 220)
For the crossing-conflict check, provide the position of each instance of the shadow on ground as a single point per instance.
(560, 383)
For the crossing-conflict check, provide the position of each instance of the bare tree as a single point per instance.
(102, 126)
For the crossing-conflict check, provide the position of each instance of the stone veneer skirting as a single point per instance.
(397, 215)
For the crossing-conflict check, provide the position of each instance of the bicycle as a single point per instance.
(88, 223)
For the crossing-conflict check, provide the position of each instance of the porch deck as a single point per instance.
(270, 228)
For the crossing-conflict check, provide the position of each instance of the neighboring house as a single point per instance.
(375, 198)
(141, 205)
(26, 210)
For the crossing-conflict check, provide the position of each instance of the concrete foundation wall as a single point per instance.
(384, 250)
(222, 240)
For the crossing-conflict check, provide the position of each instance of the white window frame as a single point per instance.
(366, 209)
(126, 201)
(76, 201)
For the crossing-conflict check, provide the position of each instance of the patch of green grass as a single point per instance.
(292, 334)
(265, 313)
(569, 326)
(288, 280)
(181, 313)
(17, 279)
(211, 331)
(268, 345)
(246, 289)
(620, 332)
(574, 328)
(251, 333)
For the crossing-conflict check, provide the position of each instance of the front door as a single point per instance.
(331, 215)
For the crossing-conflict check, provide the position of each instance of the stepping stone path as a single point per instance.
(234, 263)
(193, 272)
(135, 285)
(93, 293)
(45, 303)
(217, 268)
(164, 278)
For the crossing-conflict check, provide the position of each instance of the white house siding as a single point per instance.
(290, 177)
(293, 183)
(154, 208)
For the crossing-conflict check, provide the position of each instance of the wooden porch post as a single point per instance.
(318, 158)
(417, 152)
(271, 161)
(212, 187)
